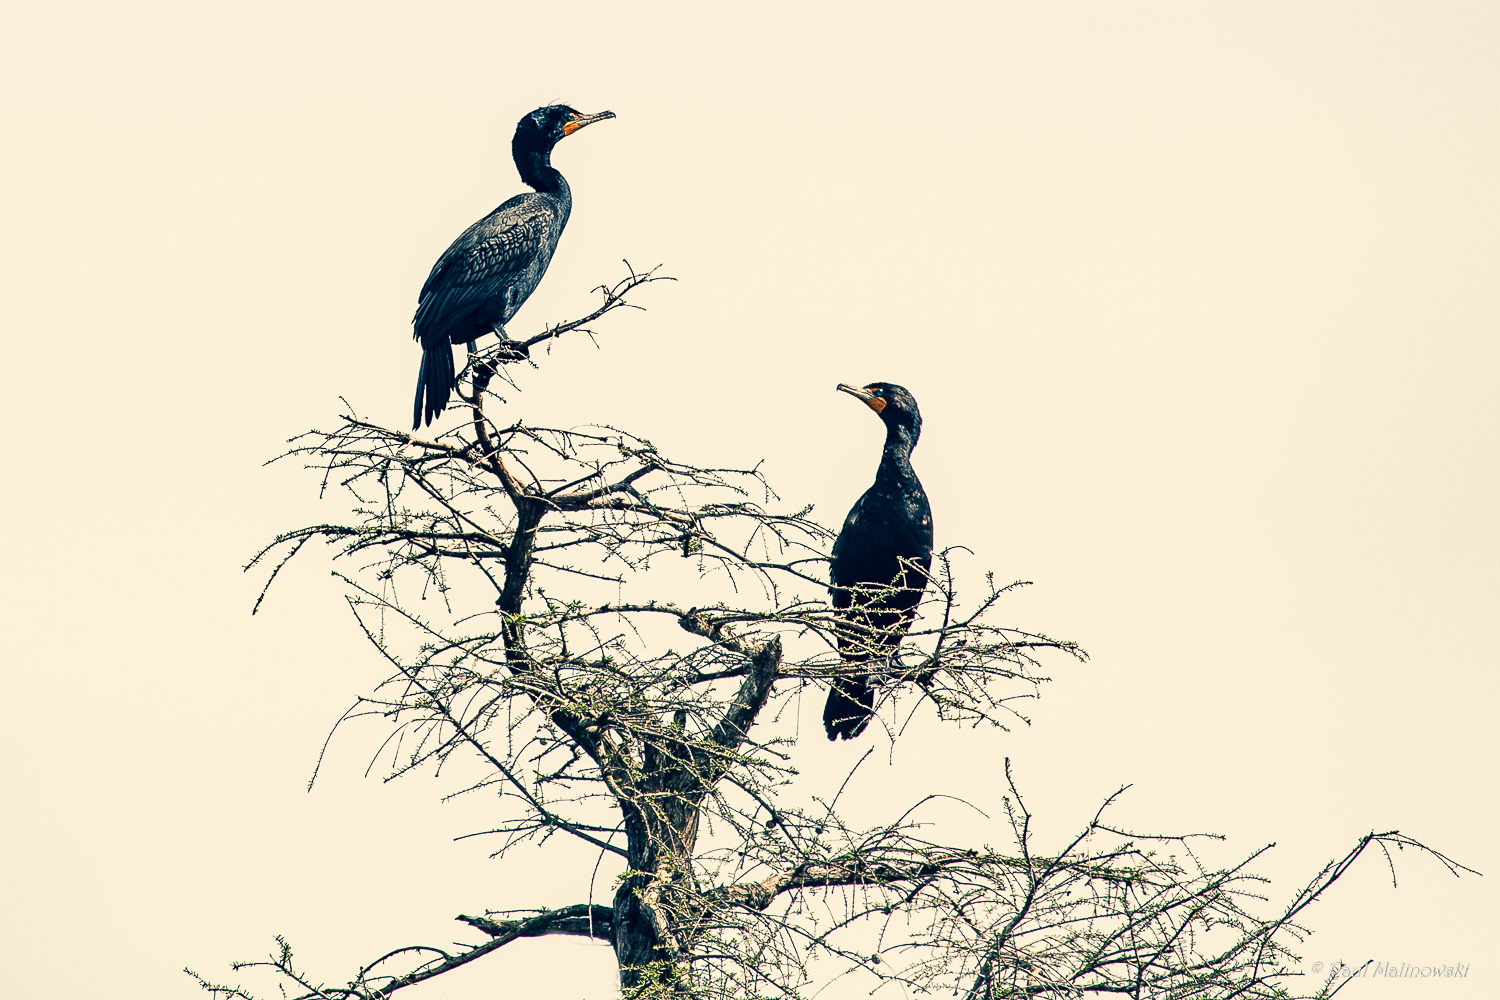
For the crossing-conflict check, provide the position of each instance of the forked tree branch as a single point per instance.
(582, 920)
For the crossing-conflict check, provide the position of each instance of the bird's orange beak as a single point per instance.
(865, 396)
(582, 120)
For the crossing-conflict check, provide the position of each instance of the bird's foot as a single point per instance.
(509, 350)
(512, 350)
(483, 372)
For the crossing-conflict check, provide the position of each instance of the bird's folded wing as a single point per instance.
(482, 263)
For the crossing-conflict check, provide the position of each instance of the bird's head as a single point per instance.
(546, 127)
(895, 405)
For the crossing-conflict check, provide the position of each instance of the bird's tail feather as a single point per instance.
(850, 704)
(435, 378)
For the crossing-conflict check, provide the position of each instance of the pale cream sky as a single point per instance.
(1200, 301)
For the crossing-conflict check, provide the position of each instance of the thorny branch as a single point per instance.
(599, 691)
(371, 984)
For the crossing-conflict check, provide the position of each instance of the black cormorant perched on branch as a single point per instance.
(483, 278)
(880, 560)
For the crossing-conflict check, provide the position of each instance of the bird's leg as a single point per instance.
(513, 351)
(483, 370)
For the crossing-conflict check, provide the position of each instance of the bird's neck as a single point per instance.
(535, 167)
(895, 461)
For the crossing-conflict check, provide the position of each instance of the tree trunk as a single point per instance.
(661, 826)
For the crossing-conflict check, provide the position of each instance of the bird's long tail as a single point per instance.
(435, 377)
(850, 704)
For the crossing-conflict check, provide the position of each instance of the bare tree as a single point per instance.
(563, 667)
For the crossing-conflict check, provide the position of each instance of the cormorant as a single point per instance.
(483, 278)
(880, 560)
